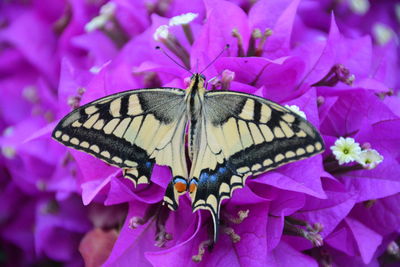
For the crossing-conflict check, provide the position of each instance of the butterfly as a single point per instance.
(231, 136)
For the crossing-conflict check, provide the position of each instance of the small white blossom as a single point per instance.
(369, 158)
(106, 13)
(182, 19)
(296, 110)
(161, 33)
(382, 33)
(30, 93)
(8, 131)
(346, 150)
(8, 152)
(359, 7)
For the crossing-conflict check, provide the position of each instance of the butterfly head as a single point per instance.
(197, 83)
(198, 77)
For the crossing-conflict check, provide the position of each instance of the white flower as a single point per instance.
(8, 131)
(296, 110)
(359, 7)
(369, 158)
(382, 33)
(106, 13)
(30, 93)
(161, 33)
(182, 19)
(8, 152)
(346, 150)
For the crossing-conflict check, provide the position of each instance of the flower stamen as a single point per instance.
(163, 35)
(215, 83)
(255, 35)
(74, 101)
(311, 233)
(238, 36)
(241, 215)
(62, 23)
(158, 213)
(338, 73)
(162, 237)
(382, 95)
(227, 78)
(107, 22)
(231, 233)
(184, 20)
(160, 7)
(260, 48)
(201, 251)
(137, 221)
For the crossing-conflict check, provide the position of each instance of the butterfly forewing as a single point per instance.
(131, 130)
(244, 135)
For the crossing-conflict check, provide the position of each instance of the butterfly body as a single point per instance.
(231, 136)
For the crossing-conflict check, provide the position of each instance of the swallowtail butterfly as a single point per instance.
(231, 136)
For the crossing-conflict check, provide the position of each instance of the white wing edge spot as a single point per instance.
(65, 137)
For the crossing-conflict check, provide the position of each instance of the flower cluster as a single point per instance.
(334, 62)
(347, 150)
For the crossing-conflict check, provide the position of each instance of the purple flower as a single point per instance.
(336, 62)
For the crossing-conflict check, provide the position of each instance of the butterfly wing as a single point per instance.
(242, 135)
(132, 130)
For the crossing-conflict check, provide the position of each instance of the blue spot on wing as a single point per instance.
(148, 164)
(213, 177)
(203, 177)
(207, 176)
(221, 170)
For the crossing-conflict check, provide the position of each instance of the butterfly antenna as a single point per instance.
(176, 62)
(215, 59)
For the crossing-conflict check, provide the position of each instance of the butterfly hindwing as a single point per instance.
(243, 135)
(131, 130)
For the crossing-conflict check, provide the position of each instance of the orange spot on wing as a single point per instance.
(192, 187)
(180, 187)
